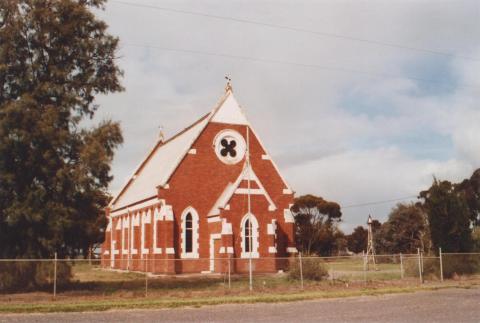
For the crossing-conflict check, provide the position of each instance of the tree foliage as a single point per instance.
(55, 57)
(449, 217)
(405, 230)
(316, 224)
(357, 240)
(471, 188)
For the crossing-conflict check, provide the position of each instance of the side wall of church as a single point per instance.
(196, 184)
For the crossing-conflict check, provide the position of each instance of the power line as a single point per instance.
(379, 202)
(296, 29)
(282, 62)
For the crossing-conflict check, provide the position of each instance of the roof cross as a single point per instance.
(228, 87)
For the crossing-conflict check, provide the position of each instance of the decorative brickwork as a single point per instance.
(207, 180)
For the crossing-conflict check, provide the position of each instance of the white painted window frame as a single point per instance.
(146, 219)
(195, 234)
(255, 237)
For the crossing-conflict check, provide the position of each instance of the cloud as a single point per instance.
(357, 177)
(350, 137)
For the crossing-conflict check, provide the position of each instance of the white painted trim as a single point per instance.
(233, 188)
(226, 227)
(146, 219)
(213, 237)
(195, 234)
(273, 162)
(170, 251)
(109, 225)
(125, 236)
(292, 250)
(272, 249)
(266, 157)
(288, 216)
(115, 251)
(228, 250)
(166, 212)
(106, 252)
(213, 219)
(271, 228)
(156, 218)
(255, 237)
(253, 191)
(192, 151)
(287, 191)
(119, 225)
(135, 207)
(241, 147)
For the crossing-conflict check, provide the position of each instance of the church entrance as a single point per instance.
(215, 242)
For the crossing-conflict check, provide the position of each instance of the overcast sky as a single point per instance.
(352, 121)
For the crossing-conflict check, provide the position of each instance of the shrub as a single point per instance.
(23, 276)
(312, 269)
(460, 265)
(431, 267)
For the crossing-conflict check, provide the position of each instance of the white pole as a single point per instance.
(441, 263)
(229, 271)
(419, 266)
(401, 266)
(301, 269)
(55, 276)
(146, 275)
(365, 261)
(250, 226)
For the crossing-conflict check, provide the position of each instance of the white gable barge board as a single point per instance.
(230, 113)
(162, 162)
(165, 170)
(159, 166)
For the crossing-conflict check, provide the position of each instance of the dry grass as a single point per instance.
(96, 289)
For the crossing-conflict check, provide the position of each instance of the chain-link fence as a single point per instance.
(58, 278)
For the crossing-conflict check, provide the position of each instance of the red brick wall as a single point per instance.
(198, 182)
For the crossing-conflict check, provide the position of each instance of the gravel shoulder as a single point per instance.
(446, 305)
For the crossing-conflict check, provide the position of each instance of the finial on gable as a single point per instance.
(228, 87)
(161, 136)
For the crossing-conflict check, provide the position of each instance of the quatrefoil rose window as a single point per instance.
(229, 146)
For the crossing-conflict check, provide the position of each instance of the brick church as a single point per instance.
(185, 208)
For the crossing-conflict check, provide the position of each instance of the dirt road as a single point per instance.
(448, 305)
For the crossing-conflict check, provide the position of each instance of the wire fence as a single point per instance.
(141, 277)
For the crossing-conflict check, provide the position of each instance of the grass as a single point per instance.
(103, 305)
(95, 289)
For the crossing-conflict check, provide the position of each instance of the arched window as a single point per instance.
(247, 236)
(249, 233)
(189, 234)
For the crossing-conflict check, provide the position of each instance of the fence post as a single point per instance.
(55, 276)
(364, 267)
(421, 257)
(441, 263)
(146, 274)
(229, 271)
(401, 266)
(301, 268)
(419, 266)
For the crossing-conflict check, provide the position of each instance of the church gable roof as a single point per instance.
(157, 168)
(159, 165)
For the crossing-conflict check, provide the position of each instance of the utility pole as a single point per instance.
(249, 206)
